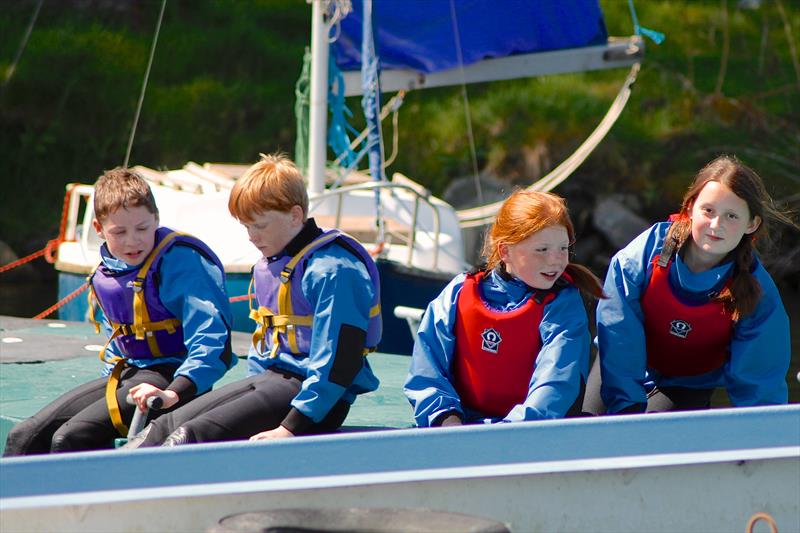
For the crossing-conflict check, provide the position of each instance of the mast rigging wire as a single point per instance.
(467, 114)
(144, 84)
(23, 43)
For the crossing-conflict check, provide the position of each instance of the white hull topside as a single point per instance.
(188, 201)
(697, 471)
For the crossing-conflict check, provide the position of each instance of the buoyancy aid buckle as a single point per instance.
(137, 285)
(138, 331)
(266, 319)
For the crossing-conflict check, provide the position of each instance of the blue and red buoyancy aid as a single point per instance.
(495, 351)
(285, 315)
(682, 339)
(140, 323)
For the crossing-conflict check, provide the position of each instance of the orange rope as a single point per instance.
(242, 298)
(22, 261)
(52, 245)
(375, 252)
(61, 302)
(761, 516)
(50, 250)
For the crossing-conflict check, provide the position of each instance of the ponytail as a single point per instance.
(742, 295)
(585, 280)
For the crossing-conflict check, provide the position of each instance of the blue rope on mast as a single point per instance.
(371, 104)
(655, 36)
(371, 99)
(340, 129)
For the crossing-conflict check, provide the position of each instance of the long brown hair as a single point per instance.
(742, 295)
(525, 213)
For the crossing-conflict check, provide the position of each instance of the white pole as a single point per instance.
(318, 106)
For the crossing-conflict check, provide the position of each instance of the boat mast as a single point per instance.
(318, 99)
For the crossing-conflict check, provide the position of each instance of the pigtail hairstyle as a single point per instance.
(523, 214)
(742, 295)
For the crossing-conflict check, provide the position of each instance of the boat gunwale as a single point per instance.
(461, 473)
(558, 441)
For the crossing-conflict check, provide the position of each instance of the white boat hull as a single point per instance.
(670, 472)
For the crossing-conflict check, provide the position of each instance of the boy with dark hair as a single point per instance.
(166, 314)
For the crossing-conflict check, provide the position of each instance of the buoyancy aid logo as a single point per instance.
(491, 340)
(679, 328)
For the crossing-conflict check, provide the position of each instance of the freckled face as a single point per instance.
(130, 233)
(270, 231)
(540, 259)
(719, 221)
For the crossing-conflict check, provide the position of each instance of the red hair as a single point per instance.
(527, 212)
(272, 184)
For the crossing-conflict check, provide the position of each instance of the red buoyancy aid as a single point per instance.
(682, 339)
(495, 351)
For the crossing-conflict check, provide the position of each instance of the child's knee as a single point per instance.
(17, 442)
(61, 441)
(71, 437)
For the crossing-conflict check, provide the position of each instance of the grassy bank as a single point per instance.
(222, 87)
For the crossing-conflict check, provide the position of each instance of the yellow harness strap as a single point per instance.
(142, 328)
(285, 321)
(111, 398)
(92, 300)
(285, 296)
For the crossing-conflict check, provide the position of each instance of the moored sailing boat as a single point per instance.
(415, 237)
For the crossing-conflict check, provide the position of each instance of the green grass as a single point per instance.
(222, 89)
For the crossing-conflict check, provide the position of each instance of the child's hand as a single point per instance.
(279, 432)
(141, 392)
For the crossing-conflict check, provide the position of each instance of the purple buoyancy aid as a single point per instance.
(284, 313)
(143, 326)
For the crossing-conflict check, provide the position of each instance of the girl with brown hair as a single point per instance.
(691, 307)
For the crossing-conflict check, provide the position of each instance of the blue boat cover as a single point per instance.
(418, 34)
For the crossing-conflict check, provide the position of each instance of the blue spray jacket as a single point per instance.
(192, 288)
(755, 373)
(340, 291)
(561, 365)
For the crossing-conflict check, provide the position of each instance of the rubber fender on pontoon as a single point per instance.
(357, 519)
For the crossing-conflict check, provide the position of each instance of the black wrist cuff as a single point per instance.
(297, 422)
(184, 387)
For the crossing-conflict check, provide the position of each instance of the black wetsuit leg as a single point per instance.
(662, 399)
(238, 411)
(34, 435)
(91, 428)
(576, 410)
